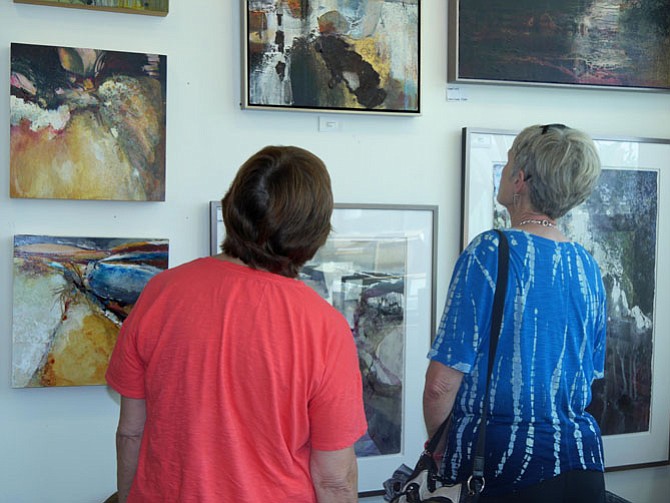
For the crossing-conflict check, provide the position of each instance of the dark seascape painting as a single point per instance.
(365, 280)
(620, 43)
(86, 124)
(70, 297)
(333, 54)
(618, 226)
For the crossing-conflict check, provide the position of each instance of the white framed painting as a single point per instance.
(621, 225)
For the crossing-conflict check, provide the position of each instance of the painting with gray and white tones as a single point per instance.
(364, 279)
(500, 216)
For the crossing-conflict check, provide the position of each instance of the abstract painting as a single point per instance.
(377, 268)
(364, 279)
(604, 43)
(332, 55)
(619, 225)
(71, 295)
(86, 124)
(149, 7)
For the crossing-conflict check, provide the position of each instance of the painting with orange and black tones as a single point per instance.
(86, 124)
(71, 295)
(604, 43)
(333, 55)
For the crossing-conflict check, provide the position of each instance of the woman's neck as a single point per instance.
(537, 223)
(532, 218)
(227, 258)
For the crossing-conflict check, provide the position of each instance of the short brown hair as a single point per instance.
(277, 210)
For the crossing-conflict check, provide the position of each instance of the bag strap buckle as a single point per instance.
(475, 485)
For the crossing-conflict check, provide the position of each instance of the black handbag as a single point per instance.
(424, 482)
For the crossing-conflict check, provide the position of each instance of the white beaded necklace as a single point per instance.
(544, 222)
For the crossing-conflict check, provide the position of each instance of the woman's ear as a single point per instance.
(521, 180)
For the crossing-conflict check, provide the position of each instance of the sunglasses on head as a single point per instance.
(547, 127)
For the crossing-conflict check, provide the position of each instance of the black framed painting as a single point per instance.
(605, 44)
(320, 55)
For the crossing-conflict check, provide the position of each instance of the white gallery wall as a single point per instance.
(57, 444)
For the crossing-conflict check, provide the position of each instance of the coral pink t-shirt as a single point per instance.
(243, 372)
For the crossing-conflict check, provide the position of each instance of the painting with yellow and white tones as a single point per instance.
(86, 124)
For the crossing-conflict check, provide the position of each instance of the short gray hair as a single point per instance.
(562, 164)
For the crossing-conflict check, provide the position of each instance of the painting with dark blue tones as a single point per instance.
(604, 43)
(618, 226)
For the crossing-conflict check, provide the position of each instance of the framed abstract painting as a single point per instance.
(86, 124)
(71, 295)
(597, 44)
(332, 56)
(148, 7)
(378, 269)
(620, 226)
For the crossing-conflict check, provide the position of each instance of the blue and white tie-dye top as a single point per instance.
(551, 348)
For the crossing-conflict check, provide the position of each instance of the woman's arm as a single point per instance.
(439, 393)
(128, 439)
(335, 475)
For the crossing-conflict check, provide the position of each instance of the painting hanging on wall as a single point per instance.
(620, 226)
(378, 269)
(71, 295)
(586, 43)
(332, 55)
(86, 124)
(364, 279)
(149, 7)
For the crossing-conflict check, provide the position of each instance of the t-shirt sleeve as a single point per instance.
(466, 319)
(125, 373)
(336, 413)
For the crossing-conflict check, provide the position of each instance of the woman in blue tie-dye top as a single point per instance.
(541, 444)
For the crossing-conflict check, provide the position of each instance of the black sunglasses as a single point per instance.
(547, 127)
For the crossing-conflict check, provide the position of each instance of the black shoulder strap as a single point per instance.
(496, 323)
(498, 299)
